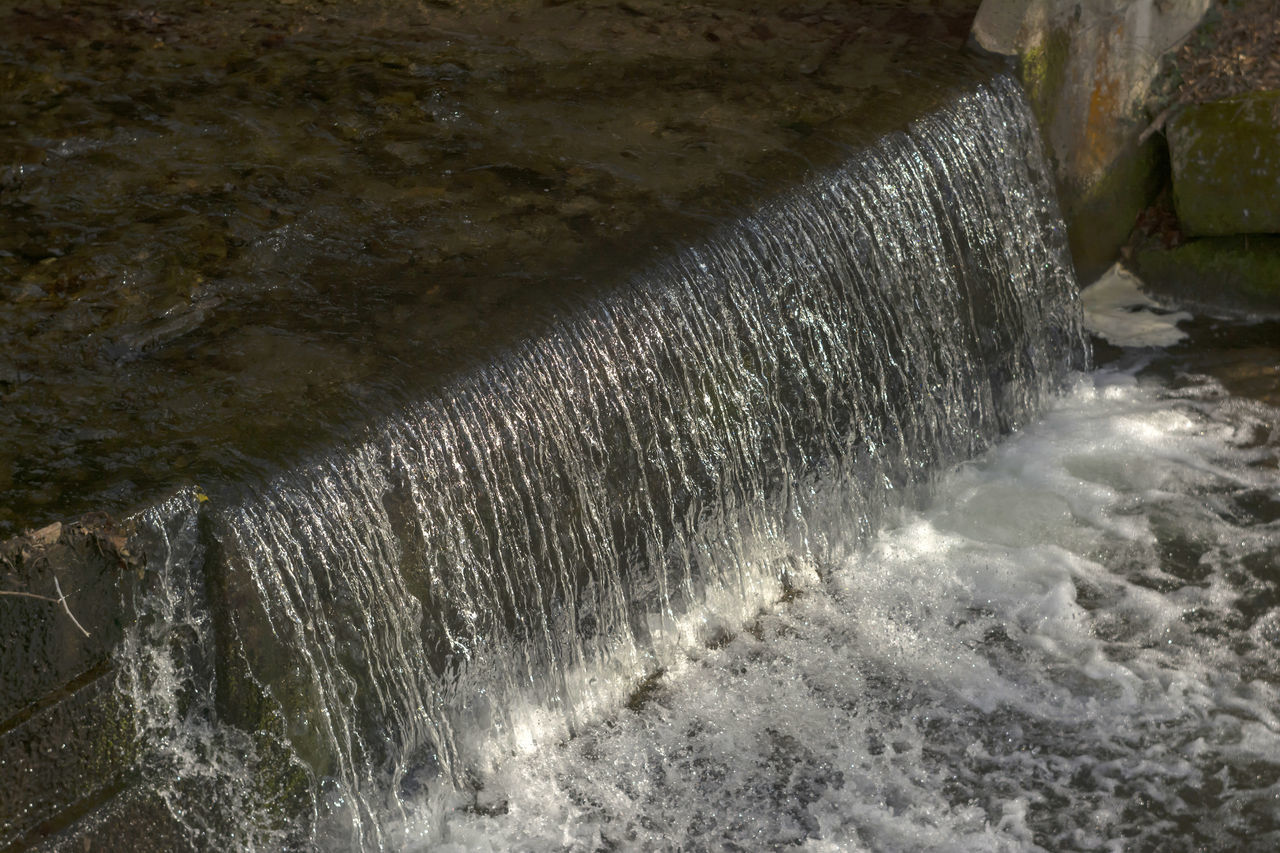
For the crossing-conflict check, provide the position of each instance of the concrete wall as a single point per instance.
(1088, 66)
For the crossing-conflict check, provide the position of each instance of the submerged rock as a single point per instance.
(1225, 158)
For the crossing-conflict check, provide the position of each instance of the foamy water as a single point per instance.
(1074, 647)
(1117, 309)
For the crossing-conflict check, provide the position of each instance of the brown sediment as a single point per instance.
(233, 230)
(1236, 51)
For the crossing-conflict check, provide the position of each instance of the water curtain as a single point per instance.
(509, 557)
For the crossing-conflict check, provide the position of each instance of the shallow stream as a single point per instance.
(231, 233)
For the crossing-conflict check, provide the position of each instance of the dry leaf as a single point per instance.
(47, 535)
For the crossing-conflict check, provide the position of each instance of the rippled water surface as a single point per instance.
(226, 230)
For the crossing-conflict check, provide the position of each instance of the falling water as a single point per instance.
(330, 659)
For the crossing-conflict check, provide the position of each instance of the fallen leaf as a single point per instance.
(48, 534)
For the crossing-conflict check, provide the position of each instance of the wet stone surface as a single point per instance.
(1225, 171)
(229, 232)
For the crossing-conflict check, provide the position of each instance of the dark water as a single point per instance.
(229, 232)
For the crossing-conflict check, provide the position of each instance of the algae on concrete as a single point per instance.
(1099, 212)
(1043, 70)
(1088, 69)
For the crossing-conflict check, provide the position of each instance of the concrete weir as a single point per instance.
(464, 179)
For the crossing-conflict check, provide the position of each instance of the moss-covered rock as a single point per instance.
(1225, 159)
(1238, 274)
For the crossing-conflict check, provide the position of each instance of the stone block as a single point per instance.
(1239, 274)
(62, 761)
(1225, 159)
(1088, 69)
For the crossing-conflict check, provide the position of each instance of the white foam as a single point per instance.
(1115, 308)
(1051, 657)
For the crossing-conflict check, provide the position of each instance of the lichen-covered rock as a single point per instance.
(1225, 158)
(1235, 274)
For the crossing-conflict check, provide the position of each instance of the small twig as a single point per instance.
(62, 598)
(28, 595)
(1157, 124)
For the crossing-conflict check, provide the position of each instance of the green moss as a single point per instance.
(282, 786)
(1240, 273)
(1043, 69)
(1101, 218)
(1225, 159)
(284, 764)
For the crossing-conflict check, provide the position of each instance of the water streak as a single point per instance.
(501, 562)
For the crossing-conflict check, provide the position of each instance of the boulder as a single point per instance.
(1239, 274)
(1225, 160)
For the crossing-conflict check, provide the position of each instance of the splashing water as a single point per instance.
(1072, 648)
(360, 642)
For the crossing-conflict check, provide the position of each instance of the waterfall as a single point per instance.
(325, 661)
